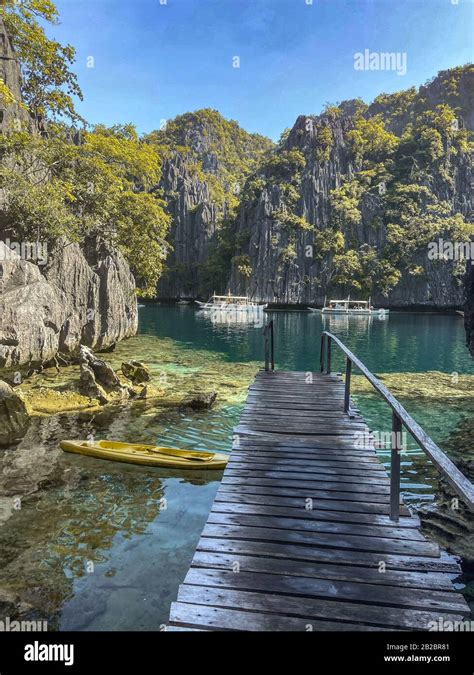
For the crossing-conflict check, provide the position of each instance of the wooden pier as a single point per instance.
(303, 533)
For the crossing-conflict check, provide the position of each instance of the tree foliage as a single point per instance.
(48, 83)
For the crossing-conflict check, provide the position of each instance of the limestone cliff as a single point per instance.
(469, 307)
(351, 199)
(11, 76)
(85, 294)
(208, 160)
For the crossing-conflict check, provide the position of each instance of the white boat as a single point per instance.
(350, 307)
(230, 303)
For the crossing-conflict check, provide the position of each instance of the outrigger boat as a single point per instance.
(351, 307)
(230, 303)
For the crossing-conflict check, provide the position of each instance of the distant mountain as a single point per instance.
(347, 202)
(207, 161)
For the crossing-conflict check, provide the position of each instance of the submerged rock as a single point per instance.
(98, 379)
(199, 401)
(103, 373)
(136, 371)
(14, 416)
(89, 385)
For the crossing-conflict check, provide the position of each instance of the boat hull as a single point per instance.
(147, 455)
(351, 312)
(214, 307)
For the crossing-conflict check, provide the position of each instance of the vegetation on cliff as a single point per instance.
(373, 186)
(60, 182)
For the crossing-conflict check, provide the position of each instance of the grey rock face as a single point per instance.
(298, 278)
(193, 227)
(84, 295)
(10, 74)
(469, 307)
(14, 418)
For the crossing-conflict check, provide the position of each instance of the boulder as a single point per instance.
(199, 401)
(136, 371)
(14, 416)
(83, 294)
(89, 386)
(99, 380)
(102, 371)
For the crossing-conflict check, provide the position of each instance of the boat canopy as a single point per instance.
(348, 302)
(240, 299)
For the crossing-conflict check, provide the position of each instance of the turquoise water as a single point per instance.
(400, 343)
(98, 545)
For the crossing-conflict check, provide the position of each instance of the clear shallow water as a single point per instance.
(98, 545)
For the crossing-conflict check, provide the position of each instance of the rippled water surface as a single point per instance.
(98, 545)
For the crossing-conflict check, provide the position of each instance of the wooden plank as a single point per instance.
(330, 509)
(344, 476)
(335, 455)
(298, 508)
(324, 481)
(337, 467)
(236, 515)
(306, 587)
(335, 460)
(328, 441)
(334, 443)
(381, 616)
(214, 618)
(311, 538)
(226, 540)
(288, 567)
(308, 489)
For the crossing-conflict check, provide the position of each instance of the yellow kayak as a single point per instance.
(150, 455)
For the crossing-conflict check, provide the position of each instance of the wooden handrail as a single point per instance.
(458, 481)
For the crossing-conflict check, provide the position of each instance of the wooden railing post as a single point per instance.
(328, 369)
(265, 335)
(321, 354)
(347, 385)
(272, 350)
(395, 467)
(269, 346)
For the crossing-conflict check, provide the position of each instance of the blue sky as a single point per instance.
(153, 61)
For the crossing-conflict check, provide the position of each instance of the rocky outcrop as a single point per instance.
(469, 307)
(193, 227)
(277, 262)
(85, 294)
(98, 379)
(208, 160)
(14, 417)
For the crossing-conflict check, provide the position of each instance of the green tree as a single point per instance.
(48, 84)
